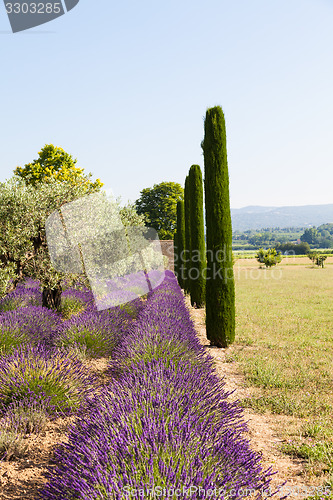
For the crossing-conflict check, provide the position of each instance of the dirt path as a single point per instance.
(263, 428)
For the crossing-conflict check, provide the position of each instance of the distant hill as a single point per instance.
(256, 217)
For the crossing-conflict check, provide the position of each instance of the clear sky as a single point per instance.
(124, 87)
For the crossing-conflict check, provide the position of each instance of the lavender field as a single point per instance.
(161, 425)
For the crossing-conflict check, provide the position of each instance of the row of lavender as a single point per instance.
(42, 353)
(164, 426)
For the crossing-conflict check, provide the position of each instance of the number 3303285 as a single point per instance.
(33, 8)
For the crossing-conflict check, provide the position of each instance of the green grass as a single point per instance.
(284, 343)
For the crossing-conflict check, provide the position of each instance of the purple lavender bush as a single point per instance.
(25, 416)
(74, 302)
(164, 423)
(93, 333)
(21, 418)
(27, 325)
(30, 283)
(163, 330)
(157, 427)
(58, 378)
(25, 294)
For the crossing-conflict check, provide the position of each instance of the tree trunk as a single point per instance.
(52, 298)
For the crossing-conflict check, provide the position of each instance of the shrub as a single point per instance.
(27, 415)
(27, 325)
(268, 257)
(158, 426)
(317, 258)
(22, 296)
(94, 333)
(165, 422)
(163, 330)
(12, 444)
(37, 372)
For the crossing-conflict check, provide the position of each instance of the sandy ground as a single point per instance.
(22, 477)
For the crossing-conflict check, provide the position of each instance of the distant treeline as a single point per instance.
(293, 248)
(294, 239)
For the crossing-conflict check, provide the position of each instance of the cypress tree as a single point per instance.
(180, 242)
(187, 250)
(175, 254)
(198, 258)
(220, 286)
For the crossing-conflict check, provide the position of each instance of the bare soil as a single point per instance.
(21, 477)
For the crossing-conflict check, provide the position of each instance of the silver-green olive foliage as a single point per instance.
(23, 212)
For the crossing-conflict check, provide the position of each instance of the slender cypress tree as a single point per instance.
(187, 252)
(175, 254)
(180, 242)
(198, 257)
(220, 286)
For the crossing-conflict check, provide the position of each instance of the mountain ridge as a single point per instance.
(258, 217)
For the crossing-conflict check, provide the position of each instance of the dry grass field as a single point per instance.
(284, 347)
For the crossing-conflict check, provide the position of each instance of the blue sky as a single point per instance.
(124, 86)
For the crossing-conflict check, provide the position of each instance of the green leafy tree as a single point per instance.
(320, 260)
(326, 229)
(312, 256)
(54, 163)
(220, 285)
(310, 236)
(180, 243)
(317, 258)
(198, 258)
(187, 251)
(293, 249)
(159, 207)
(269, 257)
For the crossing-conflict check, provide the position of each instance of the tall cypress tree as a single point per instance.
(175, 254)
(198, 258)
(187, 252)
(180, 242)
(220, 286)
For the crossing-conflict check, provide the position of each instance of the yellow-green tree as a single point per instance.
(54, 163)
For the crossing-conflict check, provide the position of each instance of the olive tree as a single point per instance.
(24, 210)
(23, 246)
